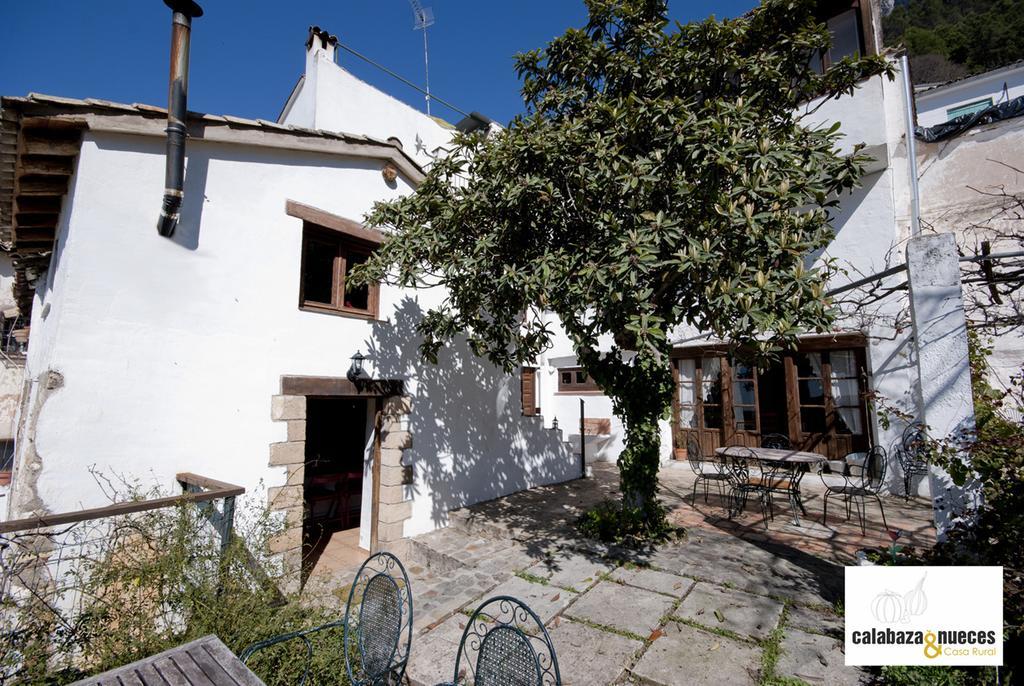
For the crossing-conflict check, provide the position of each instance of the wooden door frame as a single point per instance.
(378, 413)
(822, 344)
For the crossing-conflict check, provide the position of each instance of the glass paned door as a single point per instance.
(744, 398)
(829, 395)
(698, 407)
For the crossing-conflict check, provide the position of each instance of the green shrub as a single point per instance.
(613, 522)
(131, 587)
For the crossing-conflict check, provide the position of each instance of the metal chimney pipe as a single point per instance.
(174, 177)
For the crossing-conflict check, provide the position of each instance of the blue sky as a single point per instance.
(248, 54)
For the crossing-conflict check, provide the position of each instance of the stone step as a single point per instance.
(422, 553)
(474, 525)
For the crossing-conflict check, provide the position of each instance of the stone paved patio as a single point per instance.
(731, 603)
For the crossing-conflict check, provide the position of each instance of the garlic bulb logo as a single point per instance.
(915, 602)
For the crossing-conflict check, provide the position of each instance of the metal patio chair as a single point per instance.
(912, 454)
(747, 478)
(377, 626)
(713, 472)
(862, 480)
(505, 644)
(778, 441)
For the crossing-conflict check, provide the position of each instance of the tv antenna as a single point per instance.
(423, 17)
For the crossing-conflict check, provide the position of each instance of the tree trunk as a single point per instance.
(641, 406)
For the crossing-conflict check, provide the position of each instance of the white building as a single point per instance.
(229, 350)
(938, 103)
(968, 182)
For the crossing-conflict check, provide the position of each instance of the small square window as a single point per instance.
(328, 258)
(575, 380)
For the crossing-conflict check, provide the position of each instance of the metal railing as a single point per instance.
(46, 561)
(196, 489)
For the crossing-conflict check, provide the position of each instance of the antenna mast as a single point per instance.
(423, 17)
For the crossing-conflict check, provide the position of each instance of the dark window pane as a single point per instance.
(318, 277)
(712, 417)
(712, 392)
(711, 368)
(815, 62)
(746, 418)
(812, 420)
(742, 371)
(845, 36)
(743, 392)
(812, 392)
(567, 378)
(358, 298)
(808, 365)
(581, 377)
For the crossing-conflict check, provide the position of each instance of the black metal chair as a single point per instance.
(778, 441)
(713, 472)
(862, 480)
(505, 644)
(912, 454)
(377, 626)
(747, 477)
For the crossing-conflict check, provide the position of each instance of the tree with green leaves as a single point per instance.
(659, 177)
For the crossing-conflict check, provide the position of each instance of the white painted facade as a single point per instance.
(330, 98)
(149, 357)
(934, 104)
(962, 182)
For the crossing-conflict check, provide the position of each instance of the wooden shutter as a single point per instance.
(529, 386)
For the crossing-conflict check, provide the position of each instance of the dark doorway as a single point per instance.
(337, 433)
(772, 400)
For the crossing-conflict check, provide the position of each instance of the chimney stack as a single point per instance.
(321, 42)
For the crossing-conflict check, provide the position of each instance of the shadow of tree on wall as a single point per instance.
(470, 441)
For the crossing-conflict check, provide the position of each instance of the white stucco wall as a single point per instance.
(933, 104)
(170, 350)
(333, 99)
(962, 180)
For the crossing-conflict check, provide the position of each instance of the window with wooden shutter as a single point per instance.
(576, 381)
(528, 380)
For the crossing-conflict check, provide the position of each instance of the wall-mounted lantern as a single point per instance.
(355, 371)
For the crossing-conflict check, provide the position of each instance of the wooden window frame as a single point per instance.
(589, 387)
(862, 12)
(348, 238)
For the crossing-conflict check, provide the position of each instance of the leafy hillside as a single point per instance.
(952, 38)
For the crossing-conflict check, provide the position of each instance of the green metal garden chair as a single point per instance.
(505, 644)
(377, 626)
